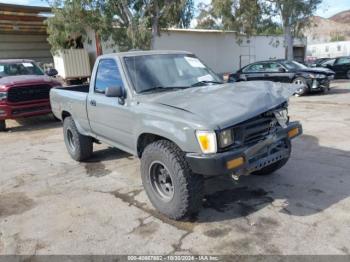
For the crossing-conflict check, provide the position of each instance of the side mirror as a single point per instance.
(281, 70)
(52, 72)
(116, 91)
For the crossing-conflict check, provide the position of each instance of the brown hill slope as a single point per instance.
(342, 17)
(326, 30)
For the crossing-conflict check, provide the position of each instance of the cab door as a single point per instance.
(253, 72)
(277, 73)
(110, 117)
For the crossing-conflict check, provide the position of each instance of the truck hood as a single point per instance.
(227, 104)
(27, 80)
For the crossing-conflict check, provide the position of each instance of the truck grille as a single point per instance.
(258, 128)
(28, 93)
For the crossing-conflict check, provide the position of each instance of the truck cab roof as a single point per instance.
(143, 53)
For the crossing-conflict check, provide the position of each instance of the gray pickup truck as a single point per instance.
(175, 114)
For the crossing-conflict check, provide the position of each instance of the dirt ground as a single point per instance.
(50, 204)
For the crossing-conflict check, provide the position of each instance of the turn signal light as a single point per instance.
(293, 132)
(235, 163)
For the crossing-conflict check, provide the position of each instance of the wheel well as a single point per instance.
(145, 139)
(65, 114)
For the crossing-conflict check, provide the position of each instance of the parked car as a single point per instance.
(170, 110)
(24, 90)
(319, 61)
(340, 65)
(309, 79)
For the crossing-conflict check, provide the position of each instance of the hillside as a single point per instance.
(325, 30)
(342, 17)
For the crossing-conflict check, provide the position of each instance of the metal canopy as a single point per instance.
(20, 19)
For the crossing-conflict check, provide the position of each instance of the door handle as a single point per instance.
(93, 102)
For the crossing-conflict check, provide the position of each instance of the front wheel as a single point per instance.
(2, 125)
(79, 147)
(348, 74)
(169, 182)
(300, 81)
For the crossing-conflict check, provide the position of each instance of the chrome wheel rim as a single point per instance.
(300, 83)
(161, 182)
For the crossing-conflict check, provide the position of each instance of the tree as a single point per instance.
(295, 15)
(335, 37)
(259, 17)
(68, 24)
(242, 16)
(128, 23)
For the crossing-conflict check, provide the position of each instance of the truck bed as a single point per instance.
(77, 88)
(71, 99)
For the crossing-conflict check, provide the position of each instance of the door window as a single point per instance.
(272, 67)
(328, 62)
(343, 60)
(107, 75)
(254, 68)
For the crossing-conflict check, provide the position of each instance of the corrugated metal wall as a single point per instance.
(33, 47)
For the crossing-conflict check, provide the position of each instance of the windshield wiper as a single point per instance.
(204, 82)
(163, 88)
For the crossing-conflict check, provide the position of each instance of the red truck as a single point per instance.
(24, 90)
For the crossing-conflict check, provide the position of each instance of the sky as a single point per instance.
(326, 9)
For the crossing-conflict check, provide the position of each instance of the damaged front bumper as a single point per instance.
(318, 84)
(249, 159)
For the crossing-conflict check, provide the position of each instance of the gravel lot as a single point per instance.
(50, 204)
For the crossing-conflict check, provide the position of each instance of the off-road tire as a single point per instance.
(2, 125)
(303, 90)
(187, 186)
(79, 147)
(271, 168)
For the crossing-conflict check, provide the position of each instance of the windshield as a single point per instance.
(293, 65)
(20, 68)
(168, 71)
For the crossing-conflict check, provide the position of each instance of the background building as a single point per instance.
(223, 51)
(23, 33)
(332, 49)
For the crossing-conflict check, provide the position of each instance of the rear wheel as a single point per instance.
(168, 181)
(300, 81)
(79, 147)
(2, 125)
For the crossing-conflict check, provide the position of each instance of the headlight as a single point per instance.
(3, 96)
(282, 117)
(226, 138)
(207, 141)
(319, 76)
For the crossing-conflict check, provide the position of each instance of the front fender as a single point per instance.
(180, 134)
(176, 125)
